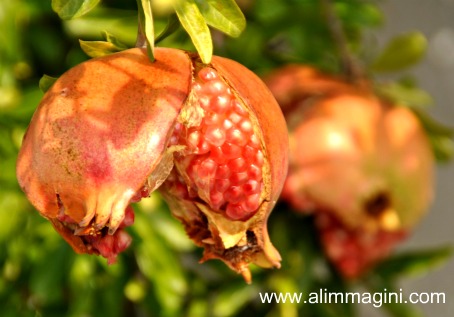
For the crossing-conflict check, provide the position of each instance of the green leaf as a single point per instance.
(114, 40)
(401, 52)
(443, 148)
(172, 25)
(46, 82)
(432, 126)
(411, 96)
(165, 270)
(414, 263)
(148, 27)
(194, 23)
(98, 48)
(225, 16)
(230, 300)
(281, 283)
(440, 136)
(71, 9)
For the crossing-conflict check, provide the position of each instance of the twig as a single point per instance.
(349, 63)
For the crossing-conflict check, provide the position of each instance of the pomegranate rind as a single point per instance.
(98, 134)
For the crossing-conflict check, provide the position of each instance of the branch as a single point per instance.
(349, 63)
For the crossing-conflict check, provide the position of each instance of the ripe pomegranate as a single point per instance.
(360, 164)
(113, 129)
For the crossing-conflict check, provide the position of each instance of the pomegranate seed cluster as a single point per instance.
(223, 160)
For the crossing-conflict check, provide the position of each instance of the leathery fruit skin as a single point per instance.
(113, 129)
(362, 165)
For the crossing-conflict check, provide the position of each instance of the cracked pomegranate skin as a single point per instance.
(362, 165)
(113, 129)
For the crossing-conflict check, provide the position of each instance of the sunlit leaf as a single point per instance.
(285, 284)
(194, 23)
(114, 40)
(225, 16)
(401, 52)
(71, 9)
(46, 82)
(99, 48)
(148, 27)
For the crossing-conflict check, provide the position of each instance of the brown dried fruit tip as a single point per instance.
(361, 165)
(113, 129)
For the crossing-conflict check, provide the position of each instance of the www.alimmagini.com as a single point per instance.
(376, 299)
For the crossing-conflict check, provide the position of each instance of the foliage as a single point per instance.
(159, 274)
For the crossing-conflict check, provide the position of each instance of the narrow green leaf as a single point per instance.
(443, 148)
(113, 39)
(148, 27)
(46, 82)
(282, 283)
(172, 25)
(440, 136)
(414, 263)
(432, 126)
(225, 16)
(194, 23)
(98, 48)
(71, 9)
(401, 52)
(164, 271)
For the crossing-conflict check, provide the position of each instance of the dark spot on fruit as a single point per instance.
(376, 205)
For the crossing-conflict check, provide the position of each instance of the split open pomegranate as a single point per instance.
(113, 129)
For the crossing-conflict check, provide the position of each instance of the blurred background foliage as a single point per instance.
(159, 275)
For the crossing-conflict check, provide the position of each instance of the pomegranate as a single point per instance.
(113, 129)
(362, 165)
